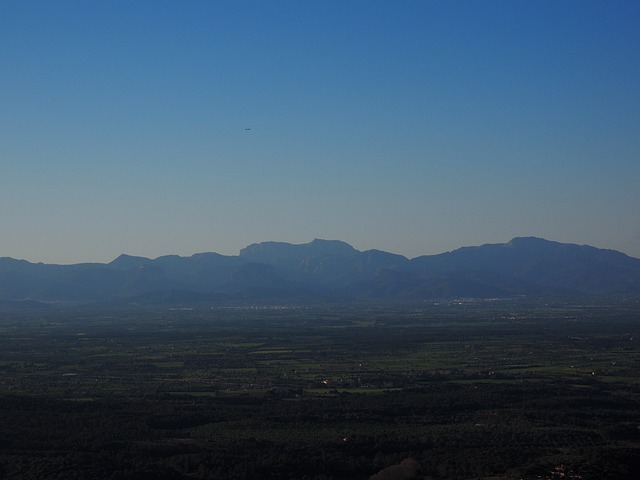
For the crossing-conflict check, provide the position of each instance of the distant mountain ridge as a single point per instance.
(330, 270)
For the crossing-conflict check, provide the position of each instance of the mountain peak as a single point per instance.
(333, 247)
(318, 247)
(125, 262)
(529, 241)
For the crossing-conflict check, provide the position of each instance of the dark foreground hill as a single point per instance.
(330, 270)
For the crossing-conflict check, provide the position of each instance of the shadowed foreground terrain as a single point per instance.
(464, 389)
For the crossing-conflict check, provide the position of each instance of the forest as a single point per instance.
(462, 389)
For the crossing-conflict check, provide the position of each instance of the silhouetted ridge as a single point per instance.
(330, 269)
(276, 252)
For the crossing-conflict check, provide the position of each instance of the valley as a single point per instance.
(466, 389)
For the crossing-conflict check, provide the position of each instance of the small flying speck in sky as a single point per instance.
(505, 117)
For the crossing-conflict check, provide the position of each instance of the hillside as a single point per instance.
(330, 270)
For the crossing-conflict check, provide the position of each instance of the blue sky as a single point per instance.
(414, 127)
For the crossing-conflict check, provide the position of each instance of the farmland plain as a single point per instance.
(461, 389)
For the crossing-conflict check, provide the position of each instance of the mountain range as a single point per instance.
(330, 270)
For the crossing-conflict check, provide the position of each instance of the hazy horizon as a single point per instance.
(156, 127)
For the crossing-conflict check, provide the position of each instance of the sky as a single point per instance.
(415, 127)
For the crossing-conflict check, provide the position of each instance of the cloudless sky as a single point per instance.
(414, 127)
